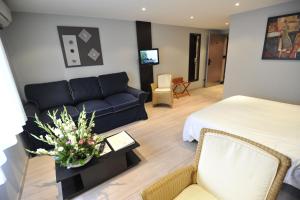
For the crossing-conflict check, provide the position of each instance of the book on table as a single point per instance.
(106, 150)
(120, 140)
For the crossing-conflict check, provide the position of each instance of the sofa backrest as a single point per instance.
(113, 83)
(48, 95)
(84, 89)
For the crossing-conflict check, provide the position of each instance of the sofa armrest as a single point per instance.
(168, 187)
(141, 95)
(30, 110)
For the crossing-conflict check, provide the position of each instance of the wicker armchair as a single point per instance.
(162, 91)
(226, 167)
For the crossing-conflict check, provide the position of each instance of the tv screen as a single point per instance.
(149, 57)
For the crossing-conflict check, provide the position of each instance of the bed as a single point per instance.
(274, 124)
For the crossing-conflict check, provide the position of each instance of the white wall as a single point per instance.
(173, 44)
(35, 53)
(13, 168)
(246, 72)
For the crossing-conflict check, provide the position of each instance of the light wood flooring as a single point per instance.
(162, 150)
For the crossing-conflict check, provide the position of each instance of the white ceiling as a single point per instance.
(210, 14)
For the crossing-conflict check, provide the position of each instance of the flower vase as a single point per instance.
(80, 164)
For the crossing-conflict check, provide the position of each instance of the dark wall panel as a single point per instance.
(144, 41)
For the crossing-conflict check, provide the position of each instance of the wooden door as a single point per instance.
(216, 55)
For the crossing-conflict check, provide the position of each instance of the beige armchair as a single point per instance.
(226, 167)
(162, 91)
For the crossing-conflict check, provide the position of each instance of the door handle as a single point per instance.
(196, 61)
(209, 61)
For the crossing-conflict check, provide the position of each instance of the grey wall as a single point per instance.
(246, 72)
(173, 44)
(35, 53)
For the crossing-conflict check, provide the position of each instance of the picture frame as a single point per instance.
(80, 46)
(282, 38)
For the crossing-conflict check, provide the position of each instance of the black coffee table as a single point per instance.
(75, 181)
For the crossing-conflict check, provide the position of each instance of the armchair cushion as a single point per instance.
(247, 172)
(100, 107)
(113, 83)
(122, 101)
(195, 192)
(162, 90)
(164, 81)
(71, 111)
(48, 95)
(84, 89)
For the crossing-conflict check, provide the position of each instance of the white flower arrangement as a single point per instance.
(73, 145)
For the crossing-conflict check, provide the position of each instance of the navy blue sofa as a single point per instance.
(114, 102)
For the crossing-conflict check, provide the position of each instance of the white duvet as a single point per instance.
(274, 124)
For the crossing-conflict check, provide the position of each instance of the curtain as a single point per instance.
(12, 116)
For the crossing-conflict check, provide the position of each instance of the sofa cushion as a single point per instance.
(195, 192)
(48, 95)
(84, 89)
(99, 106)
(70, 109)
(113, 83)
(122, 101)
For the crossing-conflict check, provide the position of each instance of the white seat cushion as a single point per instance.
(231, 169)
(162, 90)
(195, 192)
(164, 81)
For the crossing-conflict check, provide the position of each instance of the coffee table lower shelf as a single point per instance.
(98, 171)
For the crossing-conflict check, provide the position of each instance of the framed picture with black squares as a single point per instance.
(80, 46)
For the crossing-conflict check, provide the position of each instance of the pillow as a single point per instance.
(113, 83)
(84, 89)
(48, 95)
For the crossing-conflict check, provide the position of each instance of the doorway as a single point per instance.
(194, 56)
(216, 59)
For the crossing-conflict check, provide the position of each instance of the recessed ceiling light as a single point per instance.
(144, 9)
(192, 17)
(226, 23)
(237, 4)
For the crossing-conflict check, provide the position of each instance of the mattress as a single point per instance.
(274, 124)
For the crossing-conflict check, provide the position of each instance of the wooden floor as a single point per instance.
(162, 150)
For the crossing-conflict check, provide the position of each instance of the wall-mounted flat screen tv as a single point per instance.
(149, 57)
